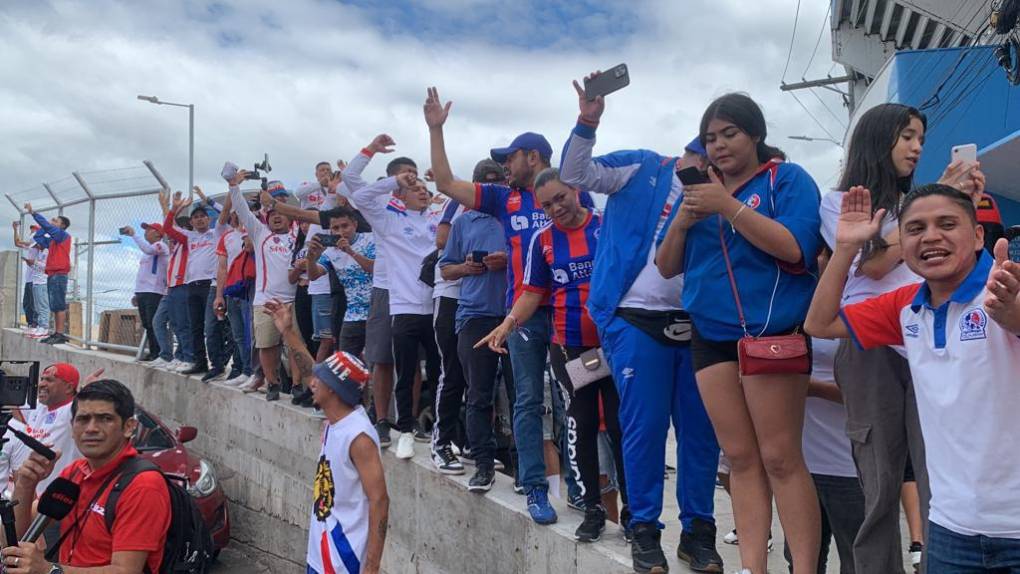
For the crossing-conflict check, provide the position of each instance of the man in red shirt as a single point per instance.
(58, 265)
(103, 424)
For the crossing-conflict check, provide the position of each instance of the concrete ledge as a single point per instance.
(265, 456)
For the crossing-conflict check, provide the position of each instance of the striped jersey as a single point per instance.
(559, 265)
(178, 264)
(521, 215)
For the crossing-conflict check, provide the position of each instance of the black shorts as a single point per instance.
(705, 353)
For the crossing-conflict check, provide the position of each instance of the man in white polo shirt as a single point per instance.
(961, 331)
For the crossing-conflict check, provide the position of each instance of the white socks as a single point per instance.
(554, 484)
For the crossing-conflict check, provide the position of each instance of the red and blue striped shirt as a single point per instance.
(560, 262)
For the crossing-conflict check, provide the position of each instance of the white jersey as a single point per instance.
(272, 254)
(151, 276)
(38, 267)
(338, 529)
(321, 285)
(52, 427)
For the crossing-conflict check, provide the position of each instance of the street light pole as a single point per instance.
(191, 135)
(811, 139)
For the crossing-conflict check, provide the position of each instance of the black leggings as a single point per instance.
(583, 426)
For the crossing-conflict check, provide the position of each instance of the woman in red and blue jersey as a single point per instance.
(561, 257)
(761, 214)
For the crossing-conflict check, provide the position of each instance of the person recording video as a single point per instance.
(103, 424)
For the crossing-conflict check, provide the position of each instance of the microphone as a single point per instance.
(54, 504)
(33, 444)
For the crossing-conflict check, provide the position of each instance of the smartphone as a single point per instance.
(328, 240)
(692, 176)
(477, 256)
(607, 82)
(122, 230)
(1013, 236)
(965, 152)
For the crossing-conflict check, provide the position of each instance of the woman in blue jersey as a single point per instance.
(766, 212)
(558, 271)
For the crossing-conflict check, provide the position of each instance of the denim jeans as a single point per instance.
(529, 347)
(161, 326)
(952, 553)
(41, 302)
(239, 315)
(177, 305)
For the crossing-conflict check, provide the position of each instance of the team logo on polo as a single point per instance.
(560, 276)
(323, 489)
(754, 201)
(912, 331)
(972, 325)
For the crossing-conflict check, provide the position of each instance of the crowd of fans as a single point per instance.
(709, 293)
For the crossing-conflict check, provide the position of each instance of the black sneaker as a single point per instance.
(445, 461)
(483, 479)
(299, 394)
(197, 369)
(697, 547)
(593, 525)
(273, 394)
(420, 435)
(625, 516)
(646, 550)
(212, 374)
(382, 428)
(308, 401)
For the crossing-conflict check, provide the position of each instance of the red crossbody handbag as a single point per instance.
(770, 355)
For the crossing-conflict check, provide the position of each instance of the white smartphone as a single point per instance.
(965, 152)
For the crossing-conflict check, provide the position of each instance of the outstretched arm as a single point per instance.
(435, 116)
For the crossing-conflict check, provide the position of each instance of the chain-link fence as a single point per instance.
(104, 263)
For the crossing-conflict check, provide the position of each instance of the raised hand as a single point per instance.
(430, 175)
(591, 110)
(129, 231)
(335, 179)
(93, 377)
(382, 143)
(238, 177)
(407, 180)
(1003, 301)
(965, 176)
(341, 164)
(28, 208)
(178, 202)
(856, 224)
(435, 111)
(198, 192)
(164, 197)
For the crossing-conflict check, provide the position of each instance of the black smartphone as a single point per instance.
(607, 82)
(123, 230)
(477, 256)
(692, 176)
(1013, 236)
(327, 240)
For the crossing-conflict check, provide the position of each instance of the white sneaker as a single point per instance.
(236, 381)
(184, 367)
(405, 445)
(38, 333)
(159, 363)
(731, 537)
(173, 365)
(251, 384)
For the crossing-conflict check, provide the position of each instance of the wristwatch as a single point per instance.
(56, 569)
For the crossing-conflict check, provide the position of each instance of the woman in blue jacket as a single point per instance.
(766, 212)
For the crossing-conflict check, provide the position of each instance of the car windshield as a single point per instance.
(150, 436)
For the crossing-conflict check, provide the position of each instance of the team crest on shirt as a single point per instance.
(513, 202)
(972, 325)
(51, 417)
(754, 201)
(323, 489)
(409, 231)
(560, 276)
(912, 331)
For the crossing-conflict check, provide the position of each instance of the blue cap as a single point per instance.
(345, 375)
(277, 189)
(696, 147)
(526, 141)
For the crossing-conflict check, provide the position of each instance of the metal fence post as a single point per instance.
(89, 302)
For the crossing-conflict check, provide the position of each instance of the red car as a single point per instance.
(156, 442)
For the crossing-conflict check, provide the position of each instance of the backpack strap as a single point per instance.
(128, 470)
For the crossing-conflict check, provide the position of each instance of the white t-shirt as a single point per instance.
(650, 289)
(53, 429)
(272, 255)
(339, 520)
(859, 286)
(151, 277)
(826, 447)
(202, 259)
(38, 268)
(319, 286)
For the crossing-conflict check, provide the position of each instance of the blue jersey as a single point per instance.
(560, 263)
(775, 298)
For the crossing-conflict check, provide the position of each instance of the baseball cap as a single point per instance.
(34, 228)
(156, 226)
(526, 141)
(199, 207)
(696, 147)
(65, 372)
(345, 375)
(486, 168)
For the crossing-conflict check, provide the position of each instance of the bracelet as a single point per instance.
(367, 152)
(733, 219)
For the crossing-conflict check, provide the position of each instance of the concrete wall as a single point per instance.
(9, 303)
(265, 455)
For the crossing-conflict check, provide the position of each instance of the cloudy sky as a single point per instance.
(308, 80)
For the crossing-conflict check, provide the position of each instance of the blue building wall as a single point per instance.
(967, 99)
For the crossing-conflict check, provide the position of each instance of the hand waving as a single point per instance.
(1003, 301)
(856, 223)
(382, 144)
(435, 112)
(591, 110)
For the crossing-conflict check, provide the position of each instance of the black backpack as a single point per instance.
(189, 547)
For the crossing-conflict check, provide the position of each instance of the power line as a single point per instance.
(812, 116)
(827, 108)
(793, 36)
(818, 42)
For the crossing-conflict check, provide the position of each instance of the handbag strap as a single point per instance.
(733, 281)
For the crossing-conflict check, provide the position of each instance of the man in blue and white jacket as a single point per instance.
(645, 334)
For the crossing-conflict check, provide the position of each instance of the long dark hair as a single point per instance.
(869, 158)
(744, 113)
